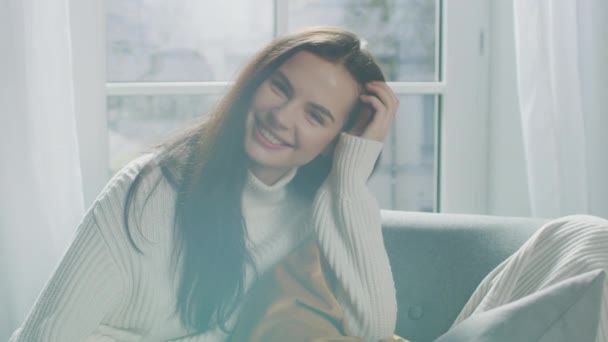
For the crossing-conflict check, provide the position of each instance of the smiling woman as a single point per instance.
(180, 235)
(296, 113)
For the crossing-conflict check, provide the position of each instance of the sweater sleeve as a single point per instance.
(346, 219)
(84, 286)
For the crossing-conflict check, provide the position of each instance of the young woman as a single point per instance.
(172, 245)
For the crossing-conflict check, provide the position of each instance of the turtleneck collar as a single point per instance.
(258, 191)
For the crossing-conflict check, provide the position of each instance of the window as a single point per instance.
(170, 61)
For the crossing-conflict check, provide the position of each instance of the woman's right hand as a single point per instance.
(376, 119)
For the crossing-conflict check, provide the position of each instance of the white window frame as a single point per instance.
(462, 91)
(464, 124)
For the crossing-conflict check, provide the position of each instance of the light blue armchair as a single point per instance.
(439, 259)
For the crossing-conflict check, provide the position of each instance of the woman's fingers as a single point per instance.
(375, 102)
(378, 127)
(385, 94)
(384, 102)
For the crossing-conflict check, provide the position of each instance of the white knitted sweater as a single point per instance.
(103, 290)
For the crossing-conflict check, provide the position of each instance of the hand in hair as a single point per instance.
(377, 116)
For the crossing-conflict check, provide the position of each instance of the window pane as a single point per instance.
(136, 123)
(401, 34)
(405, 177)
(187, 40)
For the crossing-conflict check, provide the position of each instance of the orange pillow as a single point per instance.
(295, 302)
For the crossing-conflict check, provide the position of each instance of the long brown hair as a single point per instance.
(207, 166)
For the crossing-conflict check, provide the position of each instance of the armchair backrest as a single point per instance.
(439, 259)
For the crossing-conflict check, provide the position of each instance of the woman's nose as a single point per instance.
(285, 116)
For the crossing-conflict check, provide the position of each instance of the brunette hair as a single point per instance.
(207, 166)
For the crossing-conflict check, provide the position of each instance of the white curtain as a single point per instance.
(41, 197)
(562, 119)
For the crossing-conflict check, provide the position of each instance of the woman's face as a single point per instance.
(296, 113)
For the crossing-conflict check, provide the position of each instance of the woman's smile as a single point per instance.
(268, 139)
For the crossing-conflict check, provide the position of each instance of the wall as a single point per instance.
(507, 182)
(464, 122)
(89, 59)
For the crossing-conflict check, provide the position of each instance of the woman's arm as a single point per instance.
(82, 289)
(346, 219)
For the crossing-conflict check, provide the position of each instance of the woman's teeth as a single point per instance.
(270, 137)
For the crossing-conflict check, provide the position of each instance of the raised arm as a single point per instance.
(346, 220)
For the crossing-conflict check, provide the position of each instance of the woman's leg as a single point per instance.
(562, 248)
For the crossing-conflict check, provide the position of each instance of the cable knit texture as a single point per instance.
(346, 220)
(561, 249)
(103, 290)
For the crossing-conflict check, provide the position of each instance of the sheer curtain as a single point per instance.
(41, 197)
(559, 77)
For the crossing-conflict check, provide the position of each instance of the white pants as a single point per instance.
(560, 249)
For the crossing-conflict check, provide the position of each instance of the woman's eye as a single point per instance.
(279, 87)
(317, 117)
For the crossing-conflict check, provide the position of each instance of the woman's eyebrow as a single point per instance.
(323, 110)
(326, 112)
(285, 80)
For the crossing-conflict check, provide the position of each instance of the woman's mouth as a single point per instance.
(267, 139)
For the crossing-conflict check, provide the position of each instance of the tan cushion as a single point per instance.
(294, 302)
